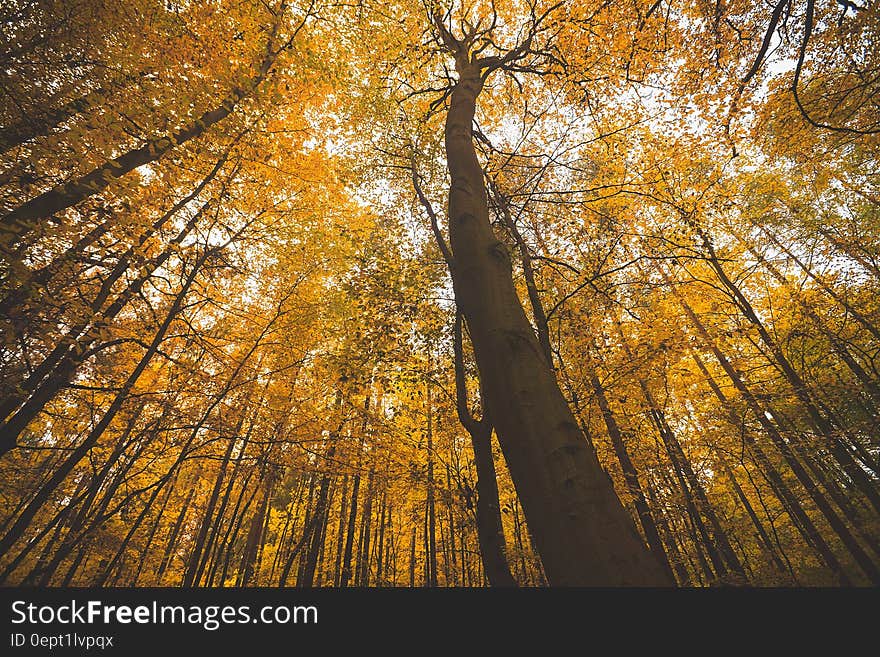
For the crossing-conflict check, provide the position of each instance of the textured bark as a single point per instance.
(581, 530)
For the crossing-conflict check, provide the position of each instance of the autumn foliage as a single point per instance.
(244, 341)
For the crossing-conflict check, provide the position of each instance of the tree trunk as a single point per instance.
(818, 421)
(24, 519)
(490, 529)
(254, 537)
(630, 474)
(307, 577)
(431, 528)
(582, 532)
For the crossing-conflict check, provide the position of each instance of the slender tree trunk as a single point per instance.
(345, 578)
(430, 529)
(837, 344)
(307, 577)
(702, 569)
(682, 576)
(490, 529)
(175, 532)
(859, 317)
(224, 550)
(36, 280)
(380, 539)
(412, 559)
(362, 575)
(759, 527)
(718, 546)
(27, 515)
(234, 531)
(197, 564)
(451, 563)
(59, 367)
(822, 424)
(340, 535)
(254, 537)
(630, 474)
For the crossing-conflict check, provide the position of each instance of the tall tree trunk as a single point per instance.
(837, 344)
(58, 368)
(362, 574)
(859, 317)
(582, 532)
(718, 546)
(430, 529)
(818, 421)
(26, 516)
(340, 535)
(345, 577)
(255, 536)
(35, 280)
(321, 512)
(380, 538)
(175, 532)
(412, 559)
(197, 563)
(682, 576)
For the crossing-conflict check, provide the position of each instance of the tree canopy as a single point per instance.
(490, 292)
